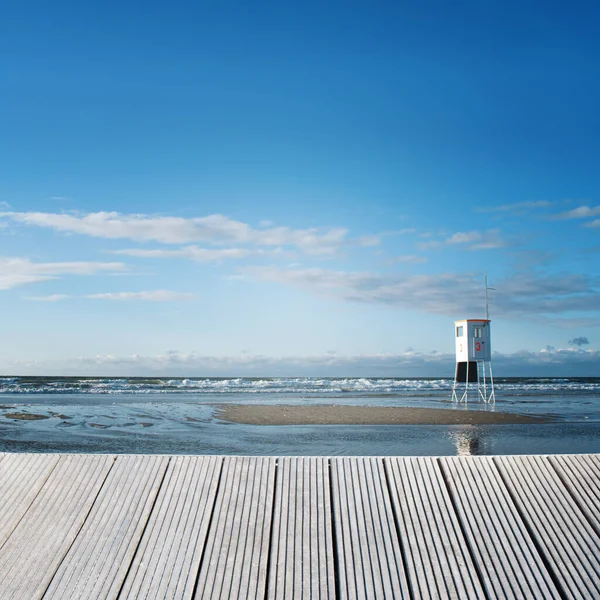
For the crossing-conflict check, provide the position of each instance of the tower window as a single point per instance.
(459, 331)
(477, 332)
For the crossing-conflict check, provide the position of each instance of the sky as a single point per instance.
(298, 188)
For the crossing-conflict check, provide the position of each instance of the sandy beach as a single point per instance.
(326, 414)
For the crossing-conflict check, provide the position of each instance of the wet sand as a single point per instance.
(22, 416)
(326, 414)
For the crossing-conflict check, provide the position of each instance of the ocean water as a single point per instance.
(180, 416)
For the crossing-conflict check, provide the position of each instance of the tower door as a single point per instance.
(479, 350)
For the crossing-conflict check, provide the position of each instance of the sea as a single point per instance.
(162, 415)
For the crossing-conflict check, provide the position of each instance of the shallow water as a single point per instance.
(330, 440)
(179, 417)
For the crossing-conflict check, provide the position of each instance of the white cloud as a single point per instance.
(151, 296)
(581, 212)
(191, 252)
(21, 271)
(49, 298)
(215, 229)
(429, 245)
(464, 237)
(246, 363)
(546, 362)
(525, 295)
(412, 259)
(478, 240)
(369, 240)
(490, 239)
(594, 224)
(518, 206)
(569, 323)
(445, 294)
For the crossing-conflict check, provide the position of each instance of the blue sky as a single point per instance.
(298, 188)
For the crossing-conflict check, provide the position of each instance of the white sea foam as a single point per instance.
(283, 386)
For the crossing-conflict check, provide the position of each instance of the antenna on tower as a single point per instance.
(485, 285)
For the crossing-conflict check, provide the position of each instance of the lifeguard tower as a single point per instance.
(474, 358)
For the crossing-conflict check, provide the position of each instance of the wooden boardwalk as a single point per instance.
(154, 527)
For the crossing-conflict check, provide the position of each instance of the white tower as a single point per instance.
(474, 357)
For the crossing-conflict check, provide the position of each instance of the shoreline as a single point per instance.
(327, 414)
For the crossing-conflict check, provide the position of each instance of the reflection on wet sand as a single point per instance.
(468, 442)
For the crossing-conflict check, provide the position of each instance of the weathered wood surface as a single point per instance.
(37, 546)
(237, 548)
(21, 478)
(581, 475)
(438, 560)
(561, 531)
(183, 527)
(302, 541)
(369, 554)
(98, 560)
(500, 544)
(168, 558)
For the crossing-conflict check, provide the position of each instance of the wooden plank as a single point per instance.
(369, 555)
(301, 564)
(236, 554)
(31, 555)
(581, 475)
(506, 557)
(437, 556)
(168, 558)
(21, 478)
(568, 541)
(98, 561)
(78, 527)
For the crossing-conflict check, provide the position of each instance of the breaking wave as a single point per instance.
(282, 386)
